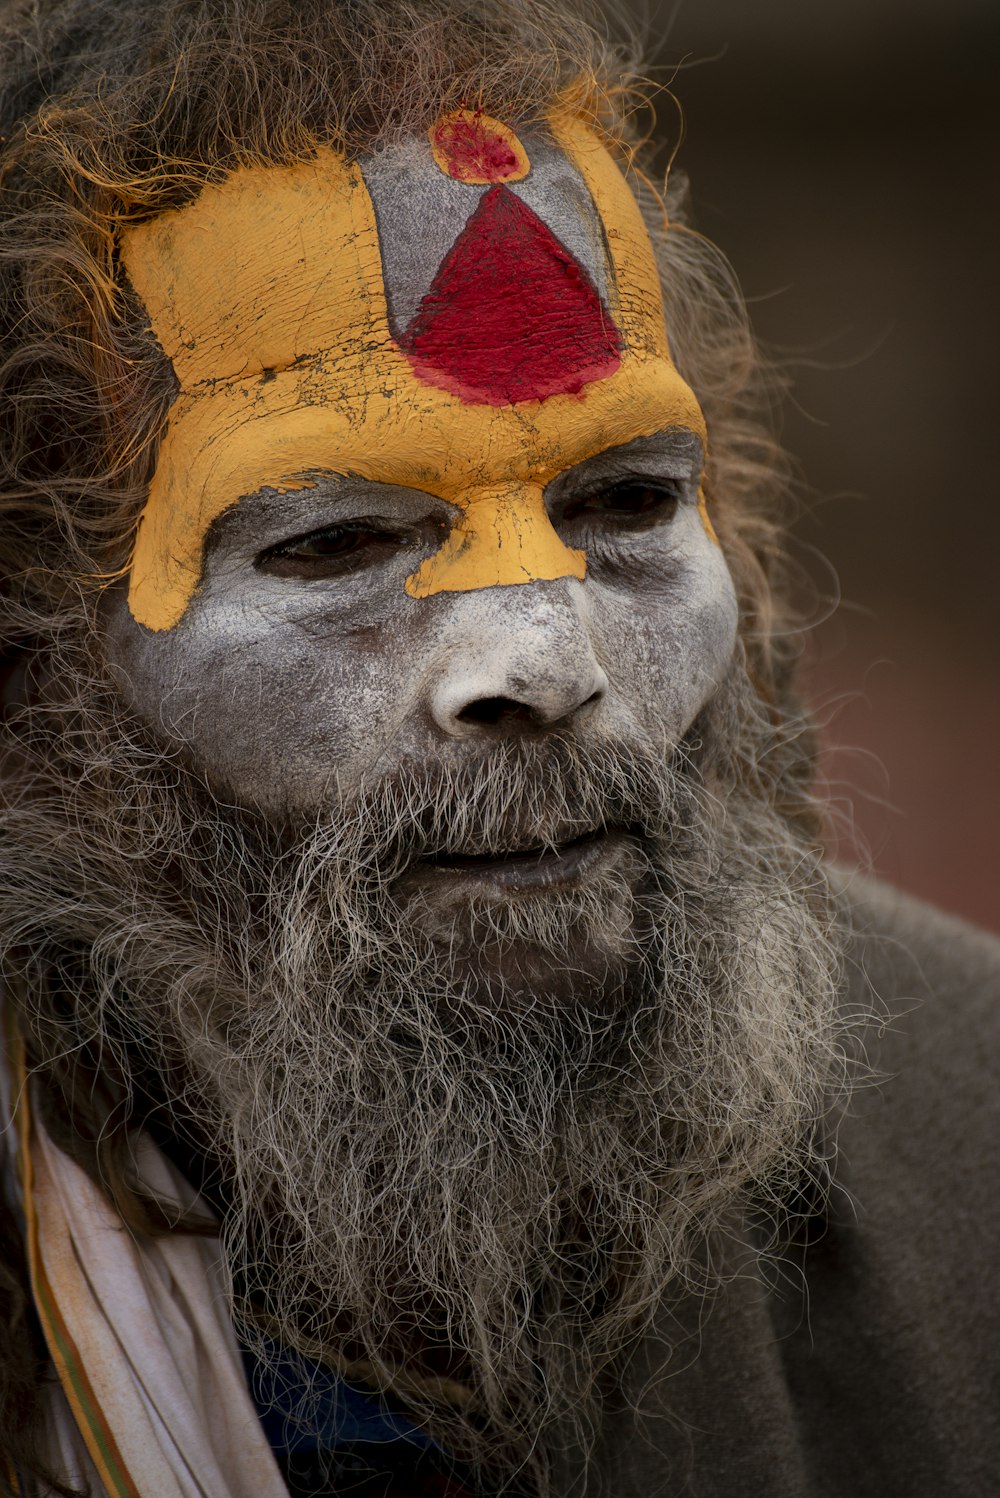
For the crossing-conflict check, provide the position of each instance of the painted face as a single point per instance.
(431, 472)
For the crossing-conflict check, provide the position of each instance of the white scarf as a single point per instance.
(152, 1400)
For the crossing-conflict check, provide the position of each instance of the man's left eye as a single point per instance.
(633, 499)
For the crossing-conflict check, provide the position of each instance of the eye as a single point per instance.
(631, 500)
(334, 548)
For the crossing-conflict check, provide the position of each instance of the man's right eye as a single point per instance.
(640, 500)
(332, 549)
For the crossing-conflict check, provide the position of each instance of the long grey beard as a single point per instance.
(433, 1135)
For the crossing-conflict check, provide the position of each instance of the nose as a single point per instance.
(520, 659)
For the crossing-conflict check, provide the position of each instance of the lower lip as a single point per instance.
(558, 868)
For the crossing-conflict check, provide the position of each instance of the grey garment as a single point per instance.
(867, 1363)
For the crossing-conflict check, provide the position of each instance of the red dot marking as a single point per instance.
(473, 148)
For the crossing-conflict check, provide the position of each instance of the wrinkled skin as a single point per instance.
(302, 667)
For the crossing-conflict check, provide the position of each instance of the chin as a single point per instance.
(574, 944)
(521, 976)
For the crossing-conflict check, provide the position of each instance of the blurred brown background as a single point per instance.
(845, 157)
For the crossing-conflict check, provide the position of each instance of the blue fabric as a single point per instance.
(304, 1407)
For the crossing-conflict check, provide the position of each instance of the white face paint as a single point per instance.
(302, 666)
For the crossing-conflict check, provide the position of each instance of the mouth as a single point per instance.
(535, 868)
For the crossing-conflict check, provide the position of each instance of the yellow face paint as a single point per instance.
(267, 294)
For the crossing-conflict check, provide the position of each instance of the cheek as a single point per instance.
(670, 642)
(273, 711)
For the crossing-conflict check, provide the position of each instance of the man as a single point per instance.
(430, 1021)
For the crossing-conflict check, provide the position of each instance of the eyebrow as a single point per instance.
(297, 485)
(671, 442)
(674, 442)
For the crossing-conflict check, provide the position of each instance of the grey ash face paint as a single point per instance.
(420, 211)
(302, 666)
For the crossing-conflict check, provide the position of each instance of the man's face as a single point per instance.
(431, 481)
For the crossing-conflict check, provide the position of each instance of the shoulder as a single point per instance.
(934, 982)
(898, 943)
(919, 1140)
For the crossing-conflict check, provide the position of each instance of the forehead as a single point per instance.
(463, 312)
(277, 264)
(534, 205)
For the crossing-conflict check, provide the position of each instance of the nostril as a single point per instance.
(491, 710)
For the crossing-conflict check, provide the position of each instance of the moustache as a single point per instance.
(517, 797)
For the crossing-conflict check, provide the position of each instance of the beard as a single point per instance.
(497, 1127)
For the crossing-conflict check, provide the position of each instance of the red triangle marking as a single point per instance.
(510, 315)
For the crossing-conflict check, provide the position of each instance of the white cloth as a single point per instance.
(155, 1394)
